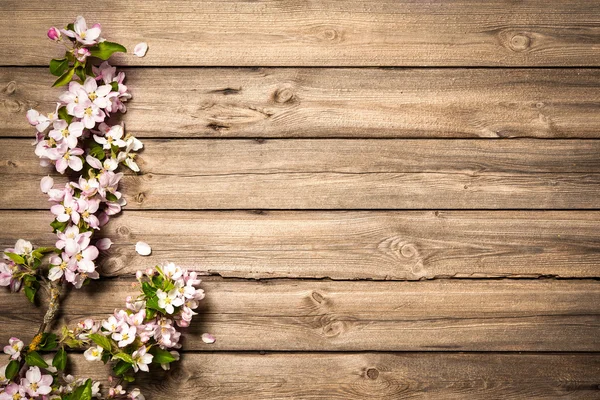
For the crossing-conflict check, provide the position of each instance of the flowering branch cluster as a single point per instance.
(81, 139)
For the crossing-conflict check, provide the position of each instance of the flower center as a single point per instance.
(88, 111)
(93, 96)
(79, 257)
(34, 386)
(65, 132)
(68, 210)
(67, 155)
(82, 34)
(86, 214)
(17, 396)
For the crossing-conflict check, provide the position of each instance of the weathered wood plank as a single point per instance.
(339, 174)
(370, 375)
(343, 245)
(456, 315)
(271, 102)
(320, 33)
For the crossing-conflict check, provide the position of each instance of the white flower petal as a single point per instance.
(46, 184)
(208, 338)
(140, 49)
(143, 249)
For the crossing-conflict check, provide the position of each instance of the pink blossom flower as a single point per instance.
(97, 94)
(54, 34)
(41, 122)
(72, 240)
(111, 138)
(67, 132)
(93, 353)
(112, 324)
(88, 187)
(14, 348)
(87, 208)
(35, 383)
(135, 394)
(68, 210)
(125, 336)
(6, 274)
(85, 259)
(81, 32)
(142, 359)
(73, 96)
(71, 160)
(12, 392)
(58, 266)
(169, 300)
(89, 112)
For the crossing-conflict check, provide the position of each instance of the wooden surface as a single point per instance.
(321, 33)
(332, 102)
(425, 232)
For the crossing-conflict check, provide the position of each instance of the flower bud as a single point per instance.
(150, 272)
(81, 54)
(54, 34)
(138, 275)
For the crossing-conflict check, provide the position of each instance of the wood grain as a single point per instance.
(343, 245)
(339, 174)
(449, 315)
(300, 102)
(319, 33)
(370, 375)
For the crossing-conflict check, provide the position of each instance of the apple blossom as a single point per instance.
(67, 132)
(12, 392)
(125, 336)
(35, 383)
(70, 159)
(93, 353)
(54, 34)
(14, 348)
(141, 359)
(81, 32)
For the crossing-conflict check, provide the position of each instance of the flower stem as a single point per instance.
(54, 289)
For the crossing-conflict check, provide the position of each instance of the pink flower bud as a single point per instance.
(139, 275)
(54, 34)
(81, 54)
(150, 272)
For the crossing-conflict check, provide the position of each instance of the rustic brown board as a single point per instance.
(339, 174)
(343, 245)
(296, 102)
(449, 315)
(370, 375)
(320, 33)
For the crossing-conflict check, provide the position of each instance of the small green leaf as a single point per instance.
(161, 356)
(83, 392)
(63, 114)
(121, 367)
(97, 151)
(58, 66)
(60, 359)
(88, 70)
(59, 226)
(34, 359)
(30, 293)
(125, 357)
(111, 197)
(104, 50)
(80, 72)
(11, 369)
(15, 257)
(64, 78)
(114, 86)
(101, 341)
(148, 289)
(49, 342)
(128, 378)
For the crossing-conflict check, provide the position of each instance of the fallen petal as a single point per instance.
(104, 244)
(143, 249)
(140, 49)
(46, 184)
(208, 338)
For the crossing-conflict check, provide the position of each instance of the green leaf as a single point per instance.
(104, 50)
(60, 359)
(148, 289)
(88, 70)
(101, 341)
(121, 367)
(63, 114)
(80, 72)
(161, 356)
(34, 359)
(58, 66)
(114, 86)
(97, 151)
(152, 304)
(83, 392)
(49, 342)
(30, 293)
(11, 369)
(125, 357)
(64, 78)
(59, 226)
(15, 257)
(129, 378)
(111, 197)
